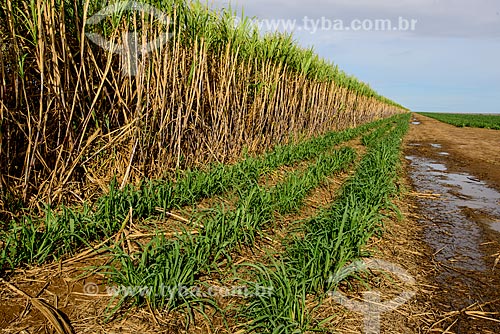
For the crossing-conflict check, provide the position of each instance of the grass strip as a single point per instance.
(33, 240)
(332, 239)
(467, 120)
(178, 263)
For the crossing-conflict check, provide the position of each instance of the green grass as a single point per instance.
(224, 231)
(62, 232)
(467, 120)
(334, 238)
(166, 266)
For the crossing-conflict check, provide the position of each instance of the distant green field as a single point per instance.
(468, 120)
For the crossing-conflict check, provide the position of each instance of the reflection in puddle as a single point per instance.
(436, 145)
(479, 194)
(438, 167)
(455, 238)
(444, 153)
(495, 226)
(416, 123)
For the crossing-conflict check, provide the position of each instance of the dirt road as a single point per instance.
(476, 151)
(455, 174)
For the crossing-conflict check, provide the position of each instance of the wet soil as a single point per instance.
(456, 174)
(472, 150)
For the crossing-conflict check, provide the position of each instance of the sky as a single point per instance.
(449, 62)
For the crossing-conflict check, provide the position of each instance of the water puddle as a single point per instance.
(460, 216)
(438, 167)
(455, 234)
(496, 226)
(416, 123)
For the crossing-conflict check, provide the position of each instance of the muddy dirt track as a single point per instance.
(455, 174)
(474, 150)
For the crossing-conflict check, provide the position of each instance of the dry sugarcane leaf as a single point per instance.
(53, 315)
(496, 262)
